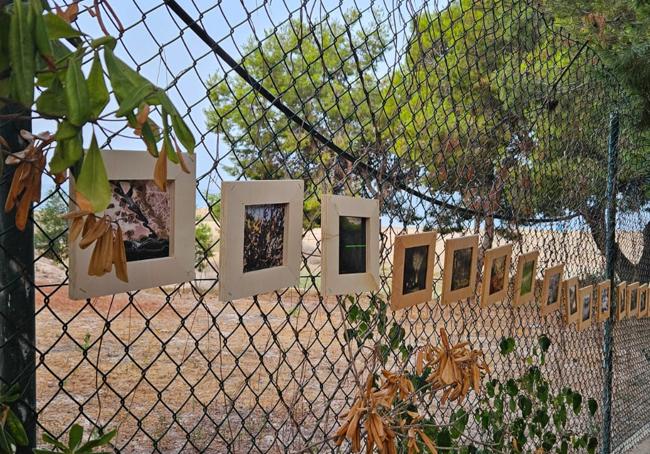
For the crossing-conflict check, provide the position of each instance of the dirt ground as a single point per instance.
(182, 372)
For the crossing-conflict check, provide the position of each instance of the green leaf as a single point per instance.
(66, 130)
(353, 313)
(564, 447)
(507, 345)
(511, 387)
(576, 402)
(525, 405)
(76, 93)
(592, 445)
(108, 41)
(443, 439)
(15, 428)
(54, 442)
(22, 51)
(52, 101)
(544, 343)
(5, 448)
(57, 28)
(542, 393)
(593, 406)
(74, 436)
(93, 180)
(66, 153)
(134, 99)
(458, 422)
(40, 31)
(183, 132)
(101, 441)
(124, 80)
(549, 441)
(97, 88)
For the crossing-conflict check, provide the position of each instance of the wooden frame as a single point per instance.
(632, 297)
(519, 298)
(452, 291)
(334, 282)
(621, 301)
(175, 268)
(552, 277)
(602, 292)
(583, 293)
(401, 296)
(234, 280)
(504, 255)
(569, 295)
(643, 301)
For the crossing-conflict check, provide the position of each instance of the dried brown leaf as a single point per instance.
(160, 170)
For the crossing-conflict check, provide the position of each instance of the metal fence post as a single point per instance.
(610, 238)
(17, 306)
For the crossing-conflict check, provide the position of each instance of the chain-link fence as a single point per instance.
(468, 117)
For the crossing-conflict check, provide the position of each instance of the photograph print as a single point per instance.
(603, 301)
(643, 306)
(551, 289)
(621, 300)
(633, 295)
(496, 274)
(585, 300)
(412, 281)
(263, 236)
(352, 244)
(415, 269)
(143, 212)
(459, 272)
(524, 290)
(570, 299)
(461, 268)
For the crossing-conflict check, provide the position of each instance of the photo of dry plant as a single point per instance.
(263, 236)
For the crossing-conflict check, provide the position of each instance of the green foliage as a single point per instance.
(12, 432)
(76, 444)
(35, 51)
(205, 247)
(524, 414)
(49, 237)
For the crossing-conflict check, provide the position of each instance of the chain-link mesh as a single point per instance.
(468, 117)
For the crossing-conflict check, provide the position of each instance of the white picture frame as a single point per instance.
(234, 280)
(459, 273)
(551, 289)
(178, 266)
(333, 280)
(404, 295)
(502, 257)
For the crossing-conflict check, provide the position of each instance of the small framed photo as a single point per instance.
(496, 274)
(621, 301)
(570, 296)
(261, 237)
(459, 274)
(413, 269)
(603, 301)
(551, 289)
(525, 278)
(643, 301)
(157, 227)
(350, 262)
(585, 300)
(632, 300)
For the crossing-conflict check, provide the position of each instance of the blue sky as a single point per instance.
(154, 45)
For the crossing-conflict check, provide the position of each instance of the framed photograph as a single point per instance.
(261, 237)
(570, 299)
(525, 278)
(632, 300)
(496, 274)
(603, 301)
(413, 269)
(551, 289)
(157, 226)
(459, 273)
(643, 301)
(350, 261)
(621, 301)
(585, 302)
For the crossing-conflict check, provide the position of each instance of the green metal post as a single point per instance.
(610, 238)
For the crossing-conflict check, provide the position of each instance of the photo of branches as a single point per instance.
(263, 236)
